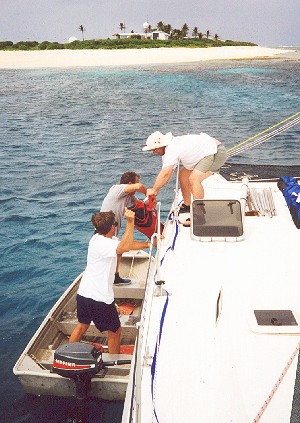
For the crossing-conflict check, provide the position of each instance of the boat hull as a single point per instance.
(34, 367)
(203, 345)
(55, 385)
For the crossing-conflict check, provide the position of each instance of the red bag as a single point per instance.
(145, 219)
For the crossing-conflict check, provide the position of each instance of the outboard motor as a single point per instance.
(80, 362)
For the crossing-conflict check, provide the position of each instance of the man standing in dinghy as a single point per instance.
(95, 297)
(118, 197)
(200, 154)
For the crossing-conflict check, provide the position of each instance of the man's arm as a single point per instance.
(132, 188)
(127, 242)
(162, 178)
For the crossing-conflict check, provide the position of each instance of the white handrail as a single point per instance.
(135, 407)
(139, 360)
(244, 194)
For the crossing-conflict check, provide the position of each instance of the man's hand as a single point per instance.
(129, 215)
(151, 192)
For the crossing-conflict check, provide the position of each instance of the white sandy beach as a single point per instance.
(85, 58)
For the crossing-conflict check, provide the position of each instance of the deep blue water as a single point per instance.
(67, 136)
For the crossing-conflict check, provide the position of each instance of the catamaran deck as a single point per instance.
(215, 363)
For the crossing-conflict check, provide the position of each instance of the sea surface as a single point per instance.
(67, 135)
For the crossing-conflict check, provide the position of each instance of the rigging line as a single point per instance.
(263, 139)
(296, 120)
(282, 128)
(266, 137)
(278, 382)
(263, 132)
(253, 144)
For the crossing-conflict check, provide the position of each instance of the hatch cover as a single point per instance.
(217, 219)
(275, 318)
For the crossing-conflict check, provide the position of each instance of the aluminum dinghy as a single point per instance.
(34, 367)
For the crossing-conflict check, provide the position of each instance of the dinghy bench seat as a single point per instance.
(67, 322)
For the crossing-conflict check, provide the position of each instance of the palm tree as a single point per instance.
(184, 30)
(200, 35)
(160, 26)
(195, 32)
(147, 28)
(216, 37)
(168, 29)
(176, 34)
(122, 26)
(207, 33)
(82, 28)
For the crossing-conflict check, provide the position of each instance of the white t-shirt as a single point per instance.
(98, 278)
(189, 149)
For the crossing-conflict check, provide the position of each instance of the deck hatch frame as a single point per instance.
(217, 220)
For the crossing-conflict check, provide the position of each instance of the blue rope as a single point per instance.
(162, 320)
(153, 366)
(173, 243)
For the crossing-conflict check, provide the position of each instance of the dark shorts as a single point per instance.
(104, 316)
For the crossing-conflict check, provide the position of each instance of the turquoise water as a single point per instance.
(67, 136)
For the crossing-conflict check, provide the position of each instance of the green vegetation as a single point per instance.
(177, 38)
(125, 43)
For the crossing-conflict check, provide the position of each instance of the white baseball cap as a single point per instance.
(157, 139)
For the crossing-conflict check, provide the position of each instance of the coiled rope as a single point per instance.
(258, 139)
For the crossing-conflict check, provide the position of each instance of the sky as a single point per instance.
(269, 23)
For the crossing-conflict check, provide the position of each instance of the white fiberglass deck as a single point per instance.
(215, 364)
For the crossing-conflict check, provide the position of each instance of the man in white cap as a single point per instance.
(200, 154)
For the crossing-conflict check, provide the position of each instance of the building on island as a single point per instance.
(148, 33)
(160, 35)
(155, 35)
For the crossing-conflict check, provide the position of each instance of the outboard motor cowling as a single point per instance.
(81, 361)
(78, 361)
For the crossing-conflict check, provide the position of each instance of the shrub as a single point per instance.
(26, 45)
(55, 46)
(135, 41)
(43, 45)
(5, 44)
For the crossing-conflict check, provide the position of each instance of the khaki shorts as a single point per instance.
(213, 162)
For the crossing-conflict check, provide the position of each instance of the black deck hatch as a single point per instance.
(217, 218)
(275, 318)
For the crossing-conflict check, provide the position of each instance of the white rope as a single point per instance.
(279, 380)
(258, 141)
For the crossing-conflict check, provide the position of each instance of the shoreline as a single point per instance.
(130, 57)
